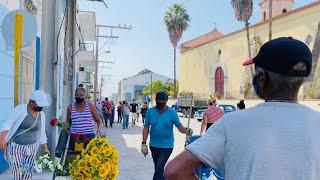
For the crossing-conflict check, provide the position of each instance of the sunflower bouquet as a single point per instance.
(98, 161)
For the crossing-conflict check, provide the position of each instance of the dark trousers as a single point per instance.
(119, 116)
(85, 138)
(107, 117)
(160, 157)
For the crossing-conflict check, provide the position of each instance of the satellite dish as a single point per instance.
(29, 29)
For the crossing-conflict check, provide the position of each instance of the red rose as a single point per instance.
(76, 135)
(53, 121)
(86, 138)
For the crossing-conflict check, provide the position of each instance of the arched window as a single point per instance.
(264, 16)
(219, 81)
(284, 11)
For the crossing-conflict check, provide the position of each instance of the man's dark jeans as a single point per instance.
(160, 157)
(107, 117)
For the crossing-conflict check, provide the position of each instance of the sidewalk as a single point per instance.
(133, 165)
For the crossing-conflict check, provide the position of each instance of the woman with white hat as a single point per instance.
(23, 133)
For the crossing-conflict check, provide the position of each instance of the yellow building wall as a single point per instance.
(198, 65)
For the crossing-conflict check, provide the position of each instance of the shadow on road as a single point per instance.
(133, 165)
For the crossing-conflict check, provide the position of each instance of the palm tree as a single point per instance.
(177, 21)
(243, 11)
(270, 20)
(315, 58)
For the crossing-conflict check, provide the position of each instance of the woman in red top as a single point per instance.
(211, 115)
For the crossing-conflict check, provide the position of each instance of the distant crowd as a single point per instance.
(107, 112)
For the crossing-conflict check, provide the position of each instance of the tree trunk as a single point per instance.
(270, 20)
(315, 72)
(174, 73)
(249, 46)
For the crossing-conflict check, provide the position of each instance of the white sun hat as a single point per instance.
(40, 98)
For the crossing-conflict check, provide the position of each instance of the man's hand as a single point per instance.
(144, 149)
(189, 131)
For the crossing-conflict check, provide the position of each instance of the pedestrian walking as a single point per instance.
(134, 108)
(99, 109)
(107, 112)
(126, 114)
(161, 120)
(241, 105)
(211, 115)
(81, 116)
(112, 112)
(277, 139)
(138, 111)
(120, 111)
(23, 133)
(144, 109)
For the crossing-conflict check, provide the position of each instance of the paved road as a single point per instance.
(133, 165)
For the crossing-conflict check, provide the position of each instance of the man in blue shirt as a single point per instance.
(159, 121)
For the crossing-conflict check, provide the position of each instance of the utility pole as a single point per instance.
(101, 84)
(270, 20)
(97, 53)
(151, 87)
(96, 68)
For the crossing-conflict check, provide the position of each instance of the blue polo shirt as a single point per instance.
(161, 131)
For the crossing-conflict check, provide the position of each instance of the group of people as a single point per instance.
(277, 139)
(124, 111)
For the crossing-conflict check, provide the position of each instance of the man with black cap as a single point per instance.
(160, 121)
(278, 139)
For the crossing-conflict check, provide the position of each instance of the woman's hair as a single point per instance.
(241, 105)
(212, 100)
(80, 89)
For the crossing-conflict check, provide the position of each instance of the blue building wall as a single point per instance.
(6, 80)
(6, 75)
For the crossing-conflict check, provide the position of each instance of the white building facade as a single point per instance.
(131, 88)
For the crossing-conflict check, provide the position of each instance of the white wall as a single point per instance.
(127, 85)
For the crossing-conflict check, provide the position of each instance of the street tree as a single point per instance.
(177, 21)
(157, 86)
(243, 12)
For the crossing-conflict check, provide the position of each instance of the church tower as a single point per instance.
(278, 7)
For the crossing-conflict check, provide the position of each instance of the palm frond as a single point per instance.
(243, 9)
(177, 20)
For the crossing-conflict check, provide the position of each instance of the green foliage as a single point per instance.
(185, 93)
(158, 86)
(177, 20)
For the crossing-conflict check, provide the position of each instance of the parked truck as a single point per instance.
(184, 103)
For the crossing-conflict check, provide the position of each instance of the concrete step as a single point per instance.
(42, 176)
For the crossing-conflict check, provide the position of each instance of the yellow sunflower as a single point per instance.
(86, 173)
(103, 172)
(94, 151)
(94, 161)
(82, 163)
(106, 151)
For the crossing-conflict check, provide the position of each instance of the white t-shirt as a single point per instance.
(273, 140)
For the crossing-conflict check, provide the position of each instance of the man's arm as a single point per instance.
(145, 134)
(182, 129)
(182, 166)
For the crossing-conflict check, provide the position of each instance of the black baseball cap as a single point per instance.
(281, 55)
(161, 96)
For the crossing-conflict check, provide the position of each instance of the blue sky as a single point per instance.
(147, 45)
